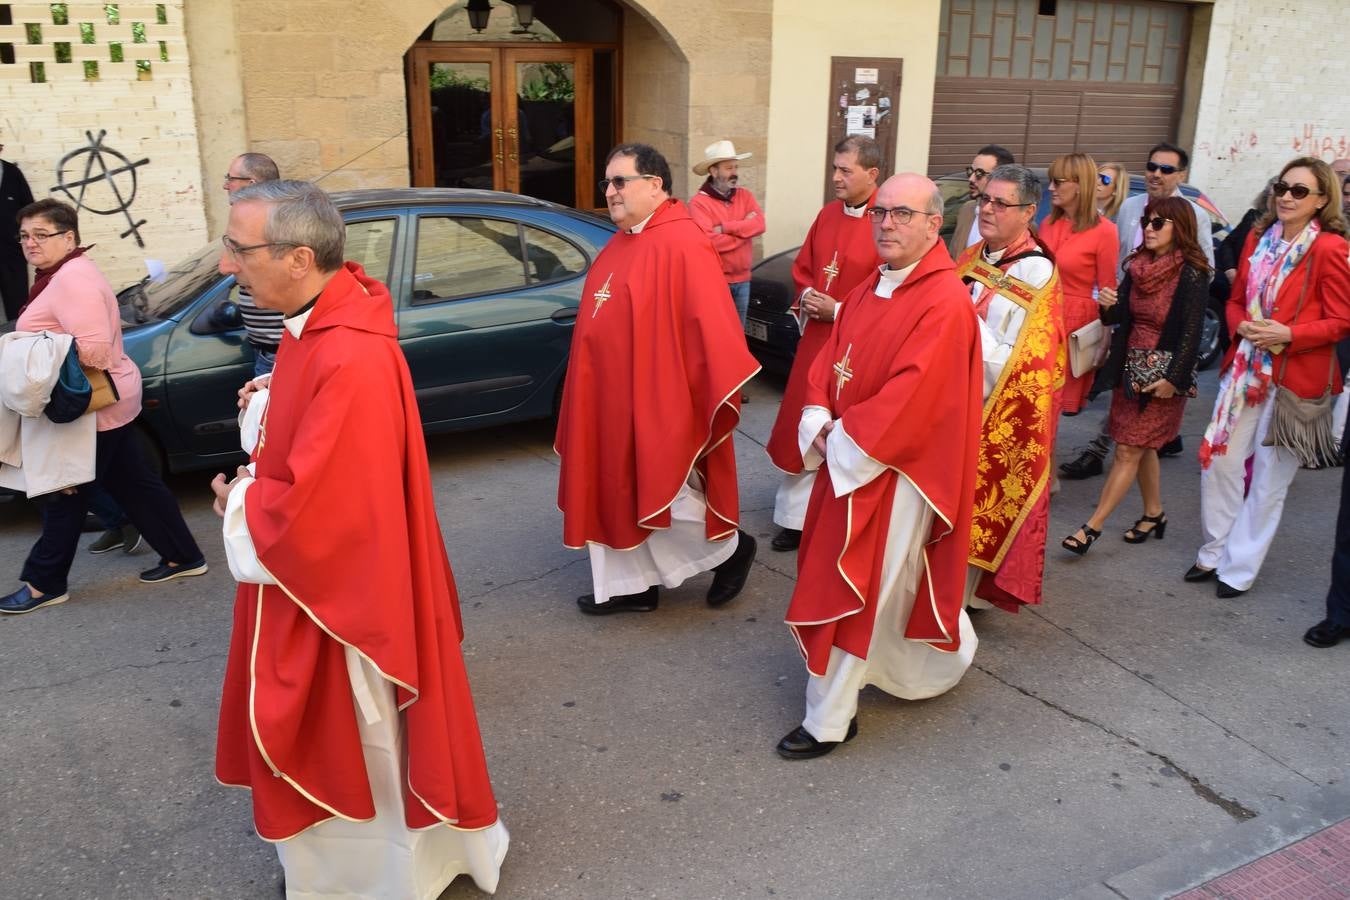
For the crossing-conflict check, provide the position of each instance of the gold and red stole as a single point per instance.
(1017, 439)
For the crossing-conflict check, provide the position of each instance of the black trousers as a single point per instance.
(1338, 597)
(122, 469)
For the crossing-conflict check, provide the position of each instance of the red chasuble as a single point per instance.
(653, 387)
(905, 375)
(839, 254)
(1012, 497)
(341, 515)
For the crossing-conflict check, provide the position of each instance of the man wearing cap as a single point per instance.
(729, 216)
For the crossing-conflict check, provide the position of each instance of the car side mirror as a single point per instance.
(226, 315)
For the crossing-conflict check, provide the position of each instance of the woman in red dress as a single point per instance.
(1151, 366)
(1084, 245)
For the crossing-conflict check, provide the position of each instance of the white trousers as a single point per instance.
(789, 504)
(667, 558)
(1238, 531)
(383, 859)
(911, 670)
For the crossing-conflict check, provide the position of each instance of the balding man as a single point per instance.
(262, 327)
(891, 426)
(346, 708)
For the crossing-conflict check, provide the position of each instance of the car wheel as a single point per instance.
(1211, 341)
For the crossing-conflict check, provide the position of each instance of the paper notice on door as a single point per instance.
(861, 120)
(864, 76)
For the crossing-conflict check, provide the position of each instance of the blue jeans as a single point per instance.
(263, 361)
(740, 295)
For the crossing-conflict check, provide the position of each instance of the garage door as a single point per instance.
(1044, 78)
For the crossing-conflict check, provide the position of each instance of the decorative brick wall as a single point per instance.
(96, 109)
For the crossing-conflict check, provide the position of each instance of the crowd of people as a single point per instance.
(916, 437)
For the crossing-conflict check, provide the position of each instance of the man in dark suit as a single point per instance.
(14, 196)
(1336, 626)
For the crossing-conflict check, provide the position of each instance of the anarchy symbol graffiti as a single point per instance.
(105, 192)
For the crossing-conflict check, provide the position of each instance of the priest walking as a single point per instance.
(648, 476)
(892, 426)
(837, 255)
(346, 708)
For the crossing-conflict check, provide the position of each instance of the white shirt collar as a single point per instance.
(855, 212)
(893, 278)
(295, 324)
(637, 229)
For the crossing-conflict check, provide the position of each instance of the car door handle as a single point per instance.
(565, 315)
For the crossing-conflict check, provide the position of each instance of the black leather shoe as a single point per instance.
(1087, 465)
(1326, 633)
(1171, 448)
(1198, 573)
(643, 602)
(730, 574)
(1226, 591)
(799, 744)
(786, 539)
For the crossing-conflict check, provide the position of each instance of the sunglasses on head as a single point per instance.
(1104, 178)
(1297, 191)
(1156, 221)
(1159, 167)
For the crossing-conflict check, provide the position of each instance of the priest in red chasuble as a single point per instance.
(838, 254)
(891, 425)
(346, 708)
(648, 477)
(1015, 290)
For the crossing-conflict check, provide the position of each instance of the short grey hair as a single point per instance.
(259, 166)
(299, 214)
(1023, 179)
(935, 205)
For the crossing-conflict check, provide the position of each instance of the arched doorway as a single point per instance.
(516, 96)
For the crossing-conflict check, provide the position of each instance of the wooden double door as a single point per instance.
(518, 119)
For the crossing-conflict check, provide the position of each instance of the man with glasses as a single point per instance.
(14, 196)
(892, 424)
(1017, 298)
(647, 483)
(262, 327)
(345, 708)
(967, 231)
(1166, 170)
(838, 254)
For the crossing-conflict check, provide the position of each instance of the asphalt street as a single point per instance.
(1131, 717)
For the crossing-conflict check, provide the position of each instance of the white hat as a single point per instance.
(716, 153)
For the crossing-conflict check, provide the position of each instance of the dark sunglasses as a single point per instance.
(1104, 178)
(1297, 191)
(620, 180)
(1159, 167)
(972, 172)
(1156, 221)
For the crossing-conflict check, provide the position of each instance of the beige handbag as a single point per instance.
(1085, 347)
(103, 392)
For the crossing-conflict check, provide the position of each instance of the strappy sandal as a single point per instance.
(1137, 535)
(1073, 544)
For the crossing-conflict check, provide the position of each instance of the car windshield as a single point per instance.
(151, 300)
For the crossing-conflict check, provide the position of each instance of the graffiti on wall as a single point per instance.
(1312, 142)
(1307, 141)
(101, 181)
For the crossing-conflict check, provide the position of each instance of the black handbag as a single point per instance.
(1145, 366)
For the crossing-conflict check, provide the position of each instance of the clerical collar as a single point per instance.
(856, 212)
(893, 278)
(637, 229)
(295, 322)
(994, 256)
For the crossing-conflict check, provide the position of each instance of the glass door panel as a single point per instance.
(461, 124)
(548, 140)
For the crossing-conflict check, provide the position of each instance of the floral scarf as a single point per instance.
(1248, 379)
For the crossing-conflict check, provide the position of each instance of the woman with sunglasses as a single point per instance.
(1289, 306)
(1113, 186)
(1160, 307)
(1084, 246)
(71, 296)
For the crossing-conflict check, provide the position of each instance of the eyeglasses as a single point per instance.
(237, 250)
(900, 215)
(1156, 221)
(229, 178)
(39, 237)
(1058, 181)
(1159, 167)
(1297, 191)
(972, 172)
(997, 204)
(620, 180)
(1104, 178)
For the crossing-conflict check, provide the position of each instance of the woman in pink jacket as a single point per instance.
(71, 296)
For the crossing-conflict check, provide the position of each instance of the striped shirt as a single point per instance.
(263, 325)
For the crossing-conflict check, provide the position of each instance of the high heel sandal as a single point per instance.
(1137, 535)
(1073, 544)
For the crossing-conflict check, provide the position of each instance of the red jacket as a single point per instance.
(738, 227)
(1309, 361)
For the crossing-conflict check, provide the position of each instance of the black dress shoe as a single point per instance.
(799, 744)
(730, 574)
(1198, 573)
(643, 602)
(1326, 633)
(1087, 465)
(1171, 448)
(1226, 591)
(786, 539)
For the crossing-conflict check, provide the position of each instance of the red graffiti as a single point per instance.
(1323, 146)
